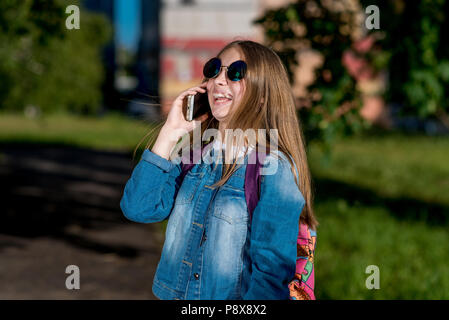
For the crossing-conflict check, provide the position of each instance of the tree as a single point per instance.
(409, 45)
(330, 28)
(414, 34)
(44, 64)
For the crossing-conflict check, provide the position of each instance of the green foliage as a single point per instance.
(414, 34)
(410, 45)
(44, 64)
(322, 27)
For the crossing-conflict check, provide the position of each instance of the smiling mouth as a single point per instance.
(221, 99)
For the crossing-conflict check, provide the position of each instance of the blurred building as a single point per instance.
(193, 31)
(148, 55)
(106, 7)
(178, 36)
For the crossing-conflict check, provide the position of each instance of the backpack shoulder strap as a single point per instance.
(253, 180)
(302, 286)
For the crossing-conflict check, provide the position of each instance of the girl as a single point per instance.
(212, 250)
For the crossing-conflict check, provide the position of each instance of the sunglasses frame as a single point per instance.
(242, 71)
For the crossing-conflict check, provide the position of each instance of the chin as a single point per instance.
(220, 117)
(219, 113)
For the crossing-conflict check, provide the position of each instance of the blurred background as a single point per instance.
(371, 82)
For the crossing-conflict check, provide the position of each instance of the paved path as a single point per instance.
(60, 207)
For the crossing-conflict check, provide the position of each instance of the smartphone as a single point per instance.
(195, 105)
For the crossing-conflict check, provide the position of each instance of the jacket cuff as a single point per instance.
(157, 160)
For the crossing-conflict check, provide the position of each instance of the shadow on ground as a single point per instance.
(60, 206)
(402, 208)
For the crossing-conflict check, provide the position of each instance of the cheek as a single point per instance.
(209, 85)
(237, 91)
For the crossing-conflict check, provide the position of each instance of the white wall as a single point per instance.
(209, 18)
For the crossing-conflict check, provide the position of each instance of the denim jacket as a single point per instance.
(212, 251)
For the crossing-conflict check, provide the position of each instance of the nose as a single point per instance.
(221, 78)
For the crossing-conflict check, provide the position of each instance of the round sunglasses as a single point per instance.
(235, 72)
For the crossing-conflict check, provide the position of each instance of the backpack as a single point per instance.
(301, 287)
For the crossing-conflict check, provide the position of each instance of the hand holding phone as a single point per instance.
(195, 105)
(176, 122)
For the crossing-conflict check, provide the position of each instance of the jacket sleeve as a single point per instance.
(274, 232)
(150, 192)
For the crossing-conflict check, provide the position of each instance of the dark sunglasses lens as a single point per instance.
(237, 70)
(212, 68)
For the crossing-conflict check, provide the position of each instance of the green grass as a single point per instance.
(384, 201)
(111, 132)
(393, 165)
(411, 256)
(381, 200)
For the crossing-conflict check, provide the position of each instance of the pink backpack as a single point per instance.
(302, 285)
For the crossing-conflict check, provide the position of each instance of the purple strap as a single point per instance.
(253, 180)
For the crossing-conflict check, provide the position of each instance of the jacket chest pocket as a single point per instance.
(188, 187)
(230, 205)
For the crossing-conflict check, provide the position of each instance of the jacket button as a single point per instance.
(196, 275)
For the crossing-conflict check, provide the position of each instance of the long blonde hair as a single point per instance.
(267, 103)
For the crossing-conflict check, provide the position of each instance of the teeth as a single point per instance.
(221, 95)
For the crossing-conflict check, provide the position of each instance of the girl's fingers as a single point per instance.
(200, 88)
(191, 91)
(178, 103)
